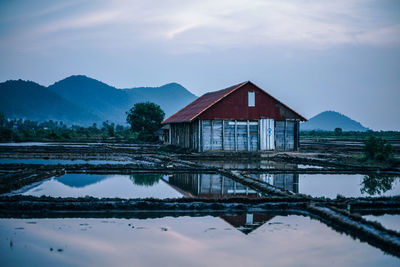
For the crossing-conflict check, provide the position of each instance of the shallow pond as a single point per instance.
(205, 185)
(390, 221)
(61, 161)
(160, 186)
(348, 185)
(49, 144)
(183, 241)
(331, 185)
(102, 186)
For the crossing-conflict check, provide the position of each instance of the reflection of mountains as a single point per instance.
(204, 185)
(80, 180)
(83, 180)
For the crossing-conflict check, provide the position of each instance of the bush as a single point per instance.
(377, 149)
(338, 131)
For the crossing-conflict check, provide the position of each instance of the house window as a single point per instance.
(252, 99)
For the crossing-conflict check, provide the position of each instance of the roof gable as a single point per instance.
(203, 103)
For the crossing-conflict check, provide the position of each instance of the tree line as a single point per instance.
(143, 119)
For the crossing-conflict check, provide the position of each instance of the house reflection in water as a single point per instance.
(205, 185)
(288, 181)
(246, 223)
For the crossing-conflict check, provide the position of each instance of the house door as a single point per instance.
(267, 134)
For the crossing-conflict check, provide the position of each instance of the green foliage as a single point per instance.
(145, 119)
(18, 130)
(377, 149)
(377, 184)
(145, 179)
(338, 131)
(353, 135)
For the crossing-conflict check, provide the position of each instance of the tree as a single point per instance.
(145, 119)
(3, 120)
(338, 131)
(378, 149)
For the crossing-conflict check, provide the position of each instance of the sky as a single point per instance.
(312, 55)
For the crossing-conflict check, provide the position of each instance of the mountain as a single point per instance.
(29, 100)
(329, 120)
(82, 100)
(96, 97)
(171, 97)
(110, 103)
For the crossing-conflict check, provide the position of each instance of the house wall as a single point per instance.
(184, 135)
(234, 135)
(235, 107)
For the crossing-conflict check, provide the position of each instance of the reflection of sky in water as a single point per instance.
(80, 185)
(389, 221)
(61, 161)
(330, 185)
(183, 241)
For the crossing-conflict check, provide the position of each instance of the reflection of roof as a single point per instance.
(201, 104)
(239, 221)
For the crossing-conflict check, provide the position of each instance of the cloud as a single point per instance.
(219, 24)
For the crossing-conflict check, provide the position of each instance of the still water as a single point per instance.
(348, 185)
(139, 186)
(61, 161)
(389, 221)
(331, 185)
(183, 241)
(102, 186)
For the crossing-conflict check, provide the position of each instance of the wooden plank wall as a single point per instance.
(229, 135)
(182, 134)
(285, 135)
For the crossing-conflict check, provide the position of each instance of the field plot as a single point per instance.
(73, 203)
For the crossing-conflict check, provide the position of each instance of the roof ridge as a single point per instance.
(235, 87)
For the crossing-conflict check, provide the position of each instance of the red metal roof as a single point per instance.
(201, 104)
(194, 109)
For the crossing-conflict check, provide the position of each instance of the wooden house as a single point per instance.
(242, 117)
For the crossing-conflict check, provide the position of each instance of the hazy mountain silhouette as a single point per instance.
(82, 100)
(29, 100)
(329, 120)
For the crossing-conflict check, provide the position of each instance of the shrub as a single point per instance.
(377, 149)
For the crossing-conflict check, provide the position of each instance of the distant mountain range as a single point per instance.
(329, 120)
(82, 100)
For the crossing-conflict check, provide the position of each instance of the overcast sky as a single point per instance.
(312, 55)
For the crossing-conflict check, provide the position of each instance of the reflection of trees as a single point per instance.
(375, 184)
(145, 179)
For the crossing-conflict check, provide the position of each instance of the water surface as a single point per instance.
(61, 161)
(331, 185)
(389, 221)
(205, 185)
(184, 241)
(348, 185)
(103, 186)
